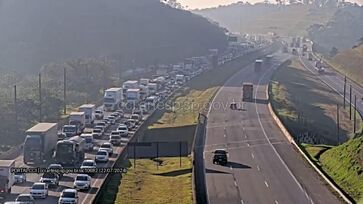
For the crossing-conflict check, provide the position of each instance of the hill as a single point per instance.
(263, 18)
(143, 31)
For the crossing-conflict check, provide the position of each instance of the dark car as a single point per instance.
(220, 157)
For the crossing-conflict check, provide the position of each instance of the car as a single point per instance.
(112, 119)
(82, 182)
(39, 190)
(52, 179)
(123, 130)
(116, 115)
(107, 121)
(101, 156)
(136, 118)
(20, 177)
(131, 123)
(25, 199)
(108, 147)
(220, 156)
(89, 164)
(115, 138)
(97, 132)
(68, 195)
(89, 139)
(103, 124)
(57, 167)
(99, 114)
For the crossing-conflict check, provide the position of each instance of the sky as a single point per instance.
(193, 4)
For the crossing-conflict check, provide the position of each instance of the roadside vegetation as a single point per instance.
(306, 105)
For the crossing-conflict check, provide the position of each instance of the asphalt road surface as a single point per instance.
(263, 167)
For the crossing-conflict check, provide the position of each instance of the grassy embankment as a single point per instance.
(294, 88)
(172, 184)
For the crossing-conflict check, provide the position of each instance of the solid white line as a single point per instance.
(258, 168)
(235, 183)
(253, 156)
(266, 184)
(276, 202)
(242, 202)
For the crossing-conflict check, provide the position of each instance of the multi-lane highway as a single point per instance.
(263, 166)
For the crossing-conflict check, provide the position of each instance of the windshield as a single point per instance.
(102, 153)
(109, 100)
(115, 137)
(49, 175)
(23, 198)
(68, 195)
(81, 178)
(64, 149)
(97, 130)
(69, 129)
(38, 187)
(88, 140)
(32, 143)
(105, 146)
(86, 163)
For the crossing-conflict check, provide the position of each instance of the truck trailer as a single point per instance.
(6, 176)
(112, 99)
(258, 65)
(247, 90)
(133, 96)
(40, 142)
(70, 152)
(78, 119)
(89, 111)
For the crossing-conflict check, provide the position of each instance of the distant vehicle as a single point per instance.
(321, 70)
(180, 79)
(112, 99)
(57, 167)
(70, 151)
(82, 182)
(39, 190)
(153, 88)
(136, 118)
(68, 196)
(102, 156)
(103, 124)
(62, 136)
(19, 177)
(107, 147)
(52, 179)
(123, 130)
(130, 84)
(99, 114)
(40, 142)
(310, 56)
(151, 102)
(70, 130)
(89, 110)
(112, 119)
(131, 123)
(115, 138)
(138, 111)
(25, 199)
(89, 141)
(78, 119)
(117, 115)
(7, 179)
(133, 96)
(220, 156)
(89, 164)
(247, 91)
(258, 65)
(144, 81)
(97, 132)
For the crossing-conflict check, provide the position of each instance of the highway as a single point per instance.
(263, 166)
(335, 81)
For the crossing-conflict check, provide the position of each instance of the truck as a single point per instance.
(70, 130)
(112, 99)
(153, 88)
(130, 84)
(144, 91)
(89, 111)
(6, 176)
(143, 82)
(180, 79)
(40, 142)
(133, 96)
(269, 59)
(78, 119)
(247, 91)
(70, 152)
(258, 65)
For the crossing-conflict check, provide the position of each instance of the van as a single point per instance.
(89, 141)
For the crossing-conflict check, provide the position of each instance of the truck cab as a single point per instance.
(6, 176)
(70, 130)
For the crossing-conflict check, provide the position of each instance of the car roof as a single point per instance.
(81, 175)
(106, 143)
(70, 190)
(88, 160)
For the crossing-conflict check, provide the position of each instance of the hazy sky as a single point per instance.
(192, 4)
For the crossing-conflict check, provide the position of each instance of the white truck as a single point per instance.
(89, 110)
(133, 96)
(144, 91)
(78, 119)
(6, 176)
(153, 88)
(180, 79)
(112, 99)
(130, 84)
(143, 82)
(40, 142)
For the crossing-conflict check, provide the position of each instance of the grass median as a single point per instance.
(307, 107)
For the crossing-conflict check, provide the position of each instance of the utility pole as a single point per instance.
(16, 108)
(338, 124)
(40, 97)
(345, 88)
(355, 114)
(64, 91)
(350, 102)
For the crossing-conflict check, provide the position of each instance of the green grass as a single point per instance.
(305, 104)
(147, 184)
(345, 165)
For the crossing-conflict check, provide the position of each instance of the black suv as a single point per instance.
(220, 156)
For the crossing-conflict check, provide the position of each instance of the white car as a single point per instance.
(39, 190)
(19, 177)
(25, 199)
(102, 156)
(68, 196)
(112, 119)
(123, 130)
(97, 132)
(50, 178)
(136, 118)
(82, 182)
(89, 164)
(107, 147)
(99, 114)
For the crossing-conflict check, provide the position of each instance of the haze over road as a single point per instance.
(263, 166)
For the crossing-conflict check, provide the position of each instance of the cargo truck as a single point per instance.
(180, 79)
(89, 111)
(112, 99)
(153, 88)
(258, 65)
(130, 84)
(78, 119)
(247, 91)
(40, 142)
(6, 177)
(133, 96)
(144, 82)
(70, 152)
(70, 130)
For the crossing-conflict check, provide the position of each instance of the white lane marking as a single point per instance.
(258, 168)
(235, 183)
(266, 184)
(242, 202)
(248, 144)
(276, 202)
(273, 148)
(252, 155)
(231, 167)
(224, 135)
